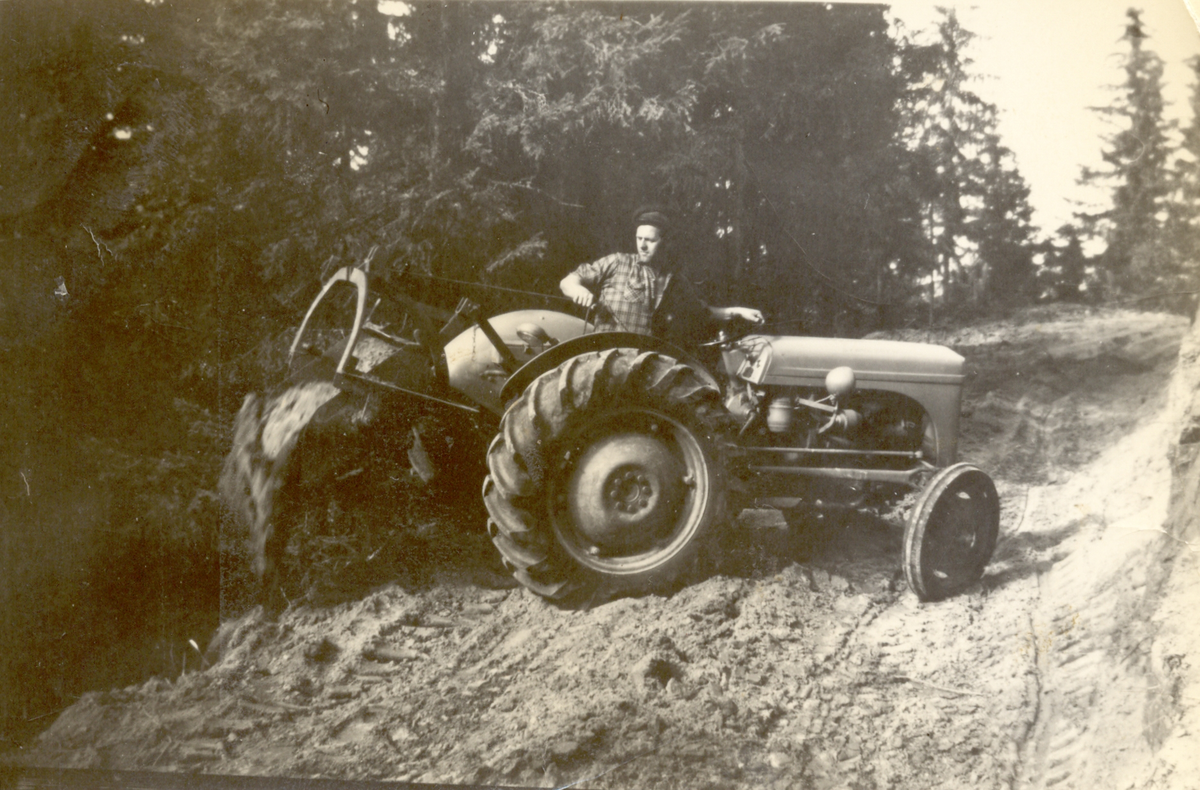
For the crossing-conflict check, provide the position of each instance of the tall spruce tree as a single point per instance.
(975, 212)
(942, 118)
(1001, 229)
(1135, 260)
(1064, 275)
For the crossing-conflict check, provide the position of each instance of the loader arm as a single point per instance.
(370, 292)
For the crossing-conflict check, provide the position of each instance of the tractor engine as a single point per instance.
(829, 402)
(838, 418)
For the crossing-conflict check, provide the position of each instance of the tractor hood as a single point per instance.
(882, 364)
(932, 376)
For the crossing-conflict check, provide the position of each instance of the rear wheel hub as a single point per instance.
(625, 492)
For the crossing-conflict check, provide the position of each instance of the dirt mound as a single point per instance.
(802, 661)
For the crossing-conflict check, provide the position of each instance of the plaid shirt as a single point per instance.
(627, 292)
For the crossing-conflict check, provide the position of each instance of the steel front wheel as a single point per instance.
(951, 532)
(607, 471)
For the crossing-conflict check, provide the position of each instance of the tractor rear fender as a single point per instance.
(598, 341)
(540, 340)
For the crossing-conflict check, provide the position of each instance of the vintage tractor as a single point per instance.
(613, 459)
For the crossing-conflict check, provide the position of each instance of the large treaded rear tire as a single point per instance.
(607, 471)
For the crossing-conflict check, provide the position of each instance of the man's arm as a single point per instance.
(578, 285)
(574, 289)
(725, 314)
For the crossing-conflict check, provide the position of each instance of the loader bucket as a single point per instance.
(366, 405)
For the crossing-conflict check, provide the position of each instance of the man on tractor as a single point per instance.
(626, 288)
(611, 466)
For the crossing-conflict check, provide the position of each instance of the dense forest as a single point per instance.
(177, 178)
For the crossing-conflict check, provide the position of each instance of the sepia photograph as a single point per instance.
(600, 395)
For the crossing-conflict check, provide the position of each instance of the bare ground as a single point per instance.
(802, 662)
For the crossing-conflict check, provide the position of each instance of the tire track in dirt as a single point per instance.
(1042, 434)
(1088, 621)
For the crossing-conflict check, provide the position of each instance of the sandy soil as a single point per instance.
(802, 662)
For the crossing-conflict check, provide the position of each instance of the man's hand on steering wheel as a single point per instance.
(733, 323)
(747, 314)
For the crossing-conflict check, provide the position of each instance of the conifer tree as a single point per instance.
(975, 210)
(1064, 276)
(1137, 153)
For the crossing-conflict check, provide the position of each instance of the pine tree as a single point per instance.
(975, 203)
(943, 115)
(1064, 276)
(1137, 154)
(1001, 229)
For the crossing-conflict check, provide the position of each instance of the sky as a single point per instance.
(1044, 63)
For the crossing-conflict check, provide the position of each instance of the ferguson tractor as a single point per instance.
(613, 459)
